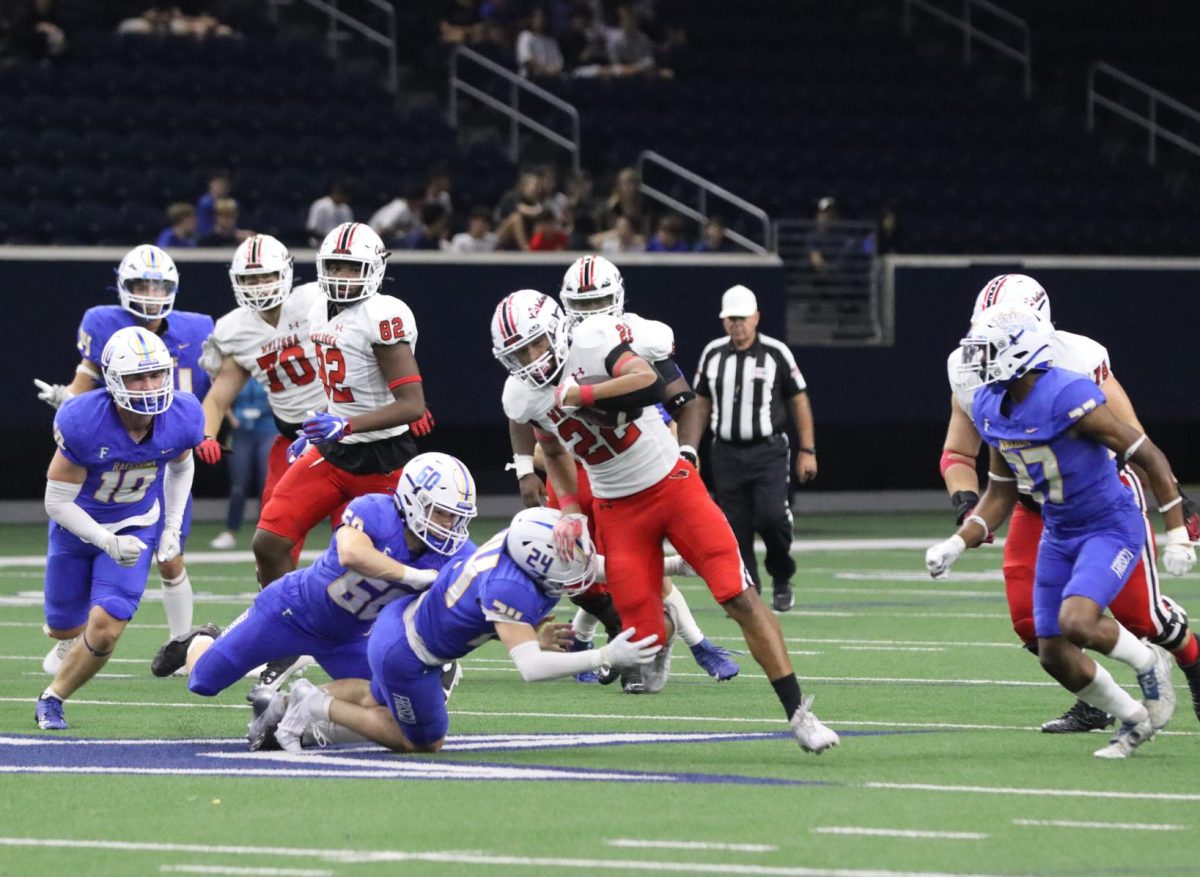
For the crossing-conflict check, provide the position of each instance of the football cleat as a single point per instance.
(1079, 719)
(783, 598)
(1193, 679)
(1128, 737)
(49, 714)
(452, 674)
(296, 719)
(279, 671)
(808, 730)
(632, 681)
(716, 661)
(172, 655)
(1158, 691)
(268, 707)
(55, 657)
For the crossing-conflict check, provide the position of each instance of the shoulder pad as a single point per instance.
(389, 320)
(601, 332)
(524, 404)
(652, 340)
(1078, 353)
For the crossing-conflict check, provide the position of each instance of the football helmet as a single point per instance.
(134, 351)
(147, 281)
(261, 273)
(437, 482)
(1013, 290)
(520, 320)
(592, 285)
(1004, 344)
(350, 263)
(530, 543)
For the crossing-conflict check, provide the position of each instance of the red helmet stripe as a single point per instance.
(993, 293)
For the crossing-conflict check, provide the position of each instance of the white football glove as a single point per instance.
(211, 357)
(125, 550)
(560, 393)
(1178, 556)
(168, 545)
(939, 558)
(52, 394)
(621, 653)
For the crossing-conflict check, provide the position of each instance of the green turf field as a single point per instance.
(941, 769)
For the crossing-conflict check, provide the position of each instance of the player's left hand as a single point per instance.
(806, 467)
(52, 394)
(168, 545)
(1191, 518)
(939, 558)
(296, 449)
(424, 426)
(326, 428)
(555, 637)
(1178, 555)
(561, 393)
(568, 529)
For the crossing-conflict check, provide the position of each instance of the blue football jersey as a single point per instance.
(1073, 478)
(330, 600)
(184, 334)
(474, 593)
(124, 477)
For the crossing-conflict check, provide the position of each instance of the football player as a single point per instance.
(1139, 606)
(365, 343)
(502, 591)
(1050, 431)
(117, 484)
(147, 283)
(643, 491)
(387, 546)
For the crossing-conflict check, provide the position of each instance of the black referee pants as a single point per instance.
(752, 490)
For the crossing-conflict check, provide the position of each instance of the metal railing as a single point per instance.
(1150, 121)
(706, 188)
(512, 108)
(386, 38)
(968, 22)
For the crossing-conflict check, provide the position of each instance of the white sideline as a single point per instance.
(632, 843)
(1106, 826)
(899, 832)
(1046, 793)
(252, 872)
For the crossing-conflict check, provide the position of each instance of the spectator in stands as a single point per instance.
(623, 237)
(502, 19)
(548, 234)
(327, 213)
(538, 54)
(887, 238)
(166, 20)
(253, 433)
(826, 248)
(669, 236)
(713, 239)
(582, 47)
(626, 200)
(431, 232)
(225, 231)
(36, 32)
(219, 186)
(552, 199)
(437, 187)
(528, 190)
(181, 228)
(583, 207)
(396, 218)
(517, 228)
(479, 237)
(630, 51)
(461, 22)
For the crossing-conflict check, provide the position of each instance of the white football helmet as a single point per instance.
(1004, 344)
(1010, 290)
(147, 281)
(592, 285)
(530, 543)
(521, 319)
(134, 351)
(431, 483)
(261, 273)
(354, 245)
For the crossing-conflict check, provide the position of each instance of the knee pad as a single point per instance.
(1175, 629)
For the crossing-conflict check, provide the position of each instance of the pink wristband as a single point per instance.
(568, 499)
(587, 396)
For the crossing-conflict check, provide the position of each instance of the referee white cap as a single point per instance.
(738, 301)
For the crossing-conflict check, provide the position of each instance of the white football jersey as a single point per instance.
(652, 341)
(1076, 353)
(282, 358)
(619, 460)
(354, 383)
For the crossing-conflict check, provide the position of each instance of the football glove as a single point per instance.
(296, 449)
(568, 529)
(168, 545)
(620, 652)
(125, 550)
(1191, 518)
(209, 451)
(1178, 555)
(326, 428)
(52, 394)
(424, 426)
(939, 558)
(560, 395)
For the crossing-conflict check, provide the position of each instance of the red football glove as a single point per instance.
(424, 426)
(209, 451)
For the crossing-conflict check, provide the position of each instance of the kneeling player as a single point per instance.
(501, 592)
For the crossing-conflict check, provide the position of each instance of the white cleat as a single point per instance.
(1129, 736)
(295, 721)
(1158, 691)
(55, 657)
(810, 733)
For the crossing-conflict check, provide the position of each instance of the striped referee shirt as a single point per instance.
(748, 387)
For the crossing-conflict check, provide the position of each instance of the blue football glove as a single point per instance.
(325, 428)
(296, 449)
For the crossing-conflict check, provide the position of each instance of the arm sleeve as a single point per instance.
(177, 487)
(62, 509)
(537, 666)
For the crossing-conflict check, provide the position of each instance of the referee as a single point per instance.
(741, 384)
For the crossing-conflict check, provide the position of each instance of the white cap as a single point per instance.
(738, 301)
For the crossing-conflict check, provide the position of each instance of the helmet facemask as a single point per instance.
(343, 286)
(134, 353)
(1004, 349)
(437, 484)
(261, 290)
(148, 298)
(443, 539)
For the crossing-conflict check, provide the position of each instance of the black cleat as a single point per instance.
(782, 598)
(172, 654)
(1192, 674)
(632, 681)
(1079, 719)
(280, 670)
(452, 674)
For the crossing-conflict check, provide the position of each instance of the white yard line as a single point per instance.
(632, 843)
(1105, 826)
(1039, 793)
(899, 832)
(252, 872)
(816, 641)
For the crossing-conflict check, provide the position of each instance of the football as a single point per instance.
(603, 417)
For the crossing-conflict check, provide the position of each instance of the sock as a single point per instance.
(787, 690)
(1104, 693)
(585, 625)
(325, 731)
(177, 602)
(50, 692)
(1188, 653)
(1132, 651)
(601, 606)
(684, 621)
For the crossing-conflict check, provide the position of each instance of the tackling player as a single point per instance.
(119, 480)
(147, 282)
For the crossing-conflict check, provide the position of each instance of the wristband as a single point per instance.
(812, 451)
(587, 396)
(689, 452)
(522, 464)
(1133, 448)
(567, 499)
(978, 519)
(407, 379)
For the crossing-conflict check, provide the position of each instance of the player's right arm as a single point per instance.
(994, 507)
(957, 465)
(538, 665)
(533, 491)
(220, 397)
(64, 480)
(356, 552)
